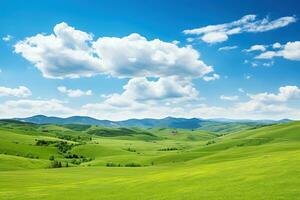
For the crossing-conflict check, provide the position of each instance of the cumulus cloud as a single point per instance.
(226, 48)
(148, 98)
(74, 93)
(163, 89)
(21, 91)
(285, 93)
(26, 108)
(211, 78)
(248, 23)
(65, 53)
(257, 47)
(133, 103)
(214, 37)
(266, 55)
(289, 51)
(72, 53)
(135, 56)
(7, 38)
(229, 98)
(276, 45)
(269, 103)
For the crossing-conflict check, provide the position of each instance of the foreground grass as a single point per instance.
(275, 176)
(261, 163)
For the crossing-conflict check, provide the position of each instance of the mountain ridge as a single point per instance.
(167, 122)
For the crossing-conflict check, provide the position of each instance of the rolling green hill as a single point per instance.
(94, 162)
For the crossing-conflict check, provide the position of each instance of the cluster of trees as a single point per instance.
(64, 147)
(73, 156)
(74, 138)
(44, 142)
(30, 155)
(169, 149)
(77, 159)
(110, 164)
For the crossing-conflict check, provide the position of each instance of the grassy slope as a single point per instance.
(261, 163)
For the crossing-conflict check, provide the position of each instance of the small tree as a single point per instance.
(59, 164)
(51, 157)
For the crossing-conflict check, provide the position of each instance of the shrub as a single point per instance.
(131, 150)
(55, 164)
(112, 165)
(210, 142)
(132, 165)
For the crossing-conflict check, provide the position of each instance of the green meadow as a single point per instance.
(92, 162)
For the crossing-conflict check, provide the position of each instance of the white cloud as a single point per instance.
(241, 90)
(247, 76)
(226, 48)
(266, 55)
(74, 93)
(73, 53)
(270, 105)
(241, 110)
(147, 98)
(153, 58)
(289, 51)
(176, 42)
(26, 108)
(266, 25)
(190, 39)
(254, 64)
(229, 98)
(65, 53)
(214, 37)
(248, 23)
(211, 78)
(21, 91)
(7, 38)
(285, 93)
(276, 45)
(164, 89)
(256, 47)
(260, 106)
(268, 64)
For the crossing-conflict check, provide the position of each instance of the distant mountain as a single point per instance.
(262, 121)
(42, 119)
(218, 125)
(168, 122)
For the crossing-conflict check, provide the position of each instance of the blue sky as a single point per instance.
(119, 59)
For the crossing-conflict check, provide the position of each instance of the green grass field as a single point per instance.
(133, 163)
